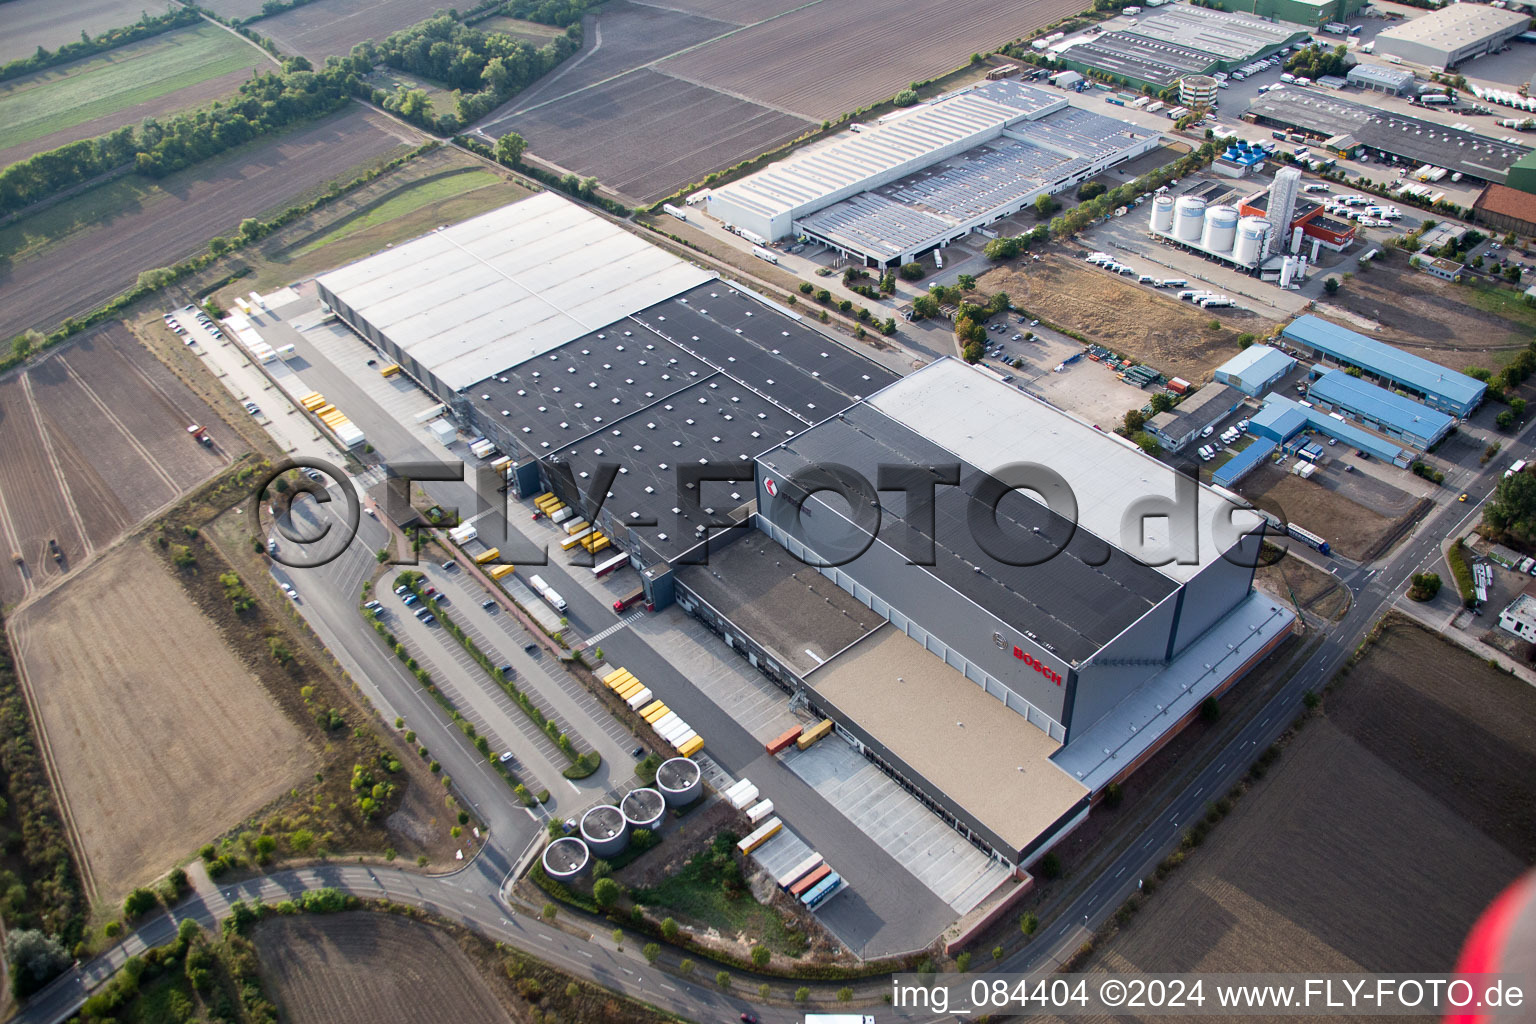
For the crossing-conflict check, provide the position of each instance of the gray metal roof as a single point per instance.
(1228, 35)
(507, 286)
(1205, 407)
(1396, 79)
(1454, 26)
(1421, 141)
(1141, 59)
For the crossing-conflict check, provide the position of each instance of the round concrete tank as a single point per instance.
(605, 830)
(1162, 214)
(1220, 230)
(680, 781)
(1188, 218)
(1250, 240)
(565, 858)
(643, 808)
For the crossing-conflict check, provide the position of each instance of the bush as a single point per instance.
(723, 979)
(606, 892)
(1050, 866)
(760, 956)
(650, 951)
(669, 929)
(1029, 923)
(913, 272)
(139, 901)
(906, 98)
(1424, 586)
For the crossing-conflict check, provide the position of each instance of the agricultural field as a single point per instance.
(1171, 336)
(360, 968)
(93, 439)
(645, 134)
(1454, 325)
(159, 739)
(154, 77)
(530, 32)
(441, 187)
(740, 12)
(1329, 863)
(50, 24)
(79, 253)
(389, 80)
(826, 60)
(1326, 505)
(234, 9)
(333, 27)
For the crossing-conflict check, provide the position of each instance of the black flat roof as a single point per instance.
(710, 375)
(1421, 141)
(1073, 606)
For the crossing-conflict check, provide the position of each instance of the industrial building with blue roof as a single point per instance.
(1402, 418)
(1282, 419)
(1255, 369)
(1440, 388)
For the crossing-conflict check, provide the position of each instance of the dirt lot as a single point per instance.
(33, 23)
(361, 968)
(645, 134)
(160, 738)
(1154, 329)
(1351, 529)
(329, 27)
(1427, 316)
(824, 60)
(1316, 591)
(1334, 858)
(92, 440)
(94, 254)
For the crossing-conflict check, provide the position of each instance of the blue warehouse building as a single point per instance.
(1408, 421)
(1255, 370)
(1243, 463)
(1282, 419)
(1438, 387)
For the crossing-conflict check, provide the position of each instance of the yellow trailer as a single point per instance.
(624, 678)
(498, 571)
(692, 747)
(312, 401)
(577, 526)
(599, 545)
(814, 733)
(390, 370)
(546, 500)
(487, 556)
(540, 497)
(656, 715)
(573, 540)
(628, 689)
(651, 707)
(615, 674)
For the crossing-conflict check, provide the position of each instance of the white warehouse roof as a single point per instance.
(1454, 26)
(990, 425)
(859, 160)
(470, 300)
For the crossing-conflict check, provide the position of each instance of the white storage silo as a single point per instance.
(605, 830)
(643, 808)
(680, 781)
(1162, 214)
(1188, 218)
(565, 858)
(1249, 247)
(1220, 231)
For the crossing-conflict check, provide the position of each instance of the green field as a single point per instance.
(31, 235)
(532, 31)
(710, 890)
(406, 201)
(52, 101)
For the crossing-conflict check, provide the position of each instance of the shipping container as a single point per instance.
(829, 887)
(602, 569)
(814, 733)
(640, 699)
(810, 880)
(764, 832)
(783, 742)
(799, 871)
(757, 812)
(742, 795)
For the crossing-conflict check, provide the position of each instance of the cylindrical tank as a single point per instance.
(643, 808)
(1162, 214)
(1220, 230)
(605, 830)
(565, 858)
(680, 781)
(1287, 271)
(1188, 218)
(1250, 240)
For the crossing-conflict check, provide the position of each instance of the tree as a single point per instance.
(685, 967)
(802, 994)
(1161, 402)
(606, 892)
(845, 994)
(669, 929)
(1505, 420)
(1517, 406)
(1147, 443)
(1045, 205)
(1331, 285)
(1424, 586)
(906, 98)
(1135, 419)
(1001, 248)
(913, 272)
(967, 282)
(1090, 190)
(760, 956)
(723, 979)
(650, 951)
(510, 148)
(35, 959)
(963, 962)
(1210, 709)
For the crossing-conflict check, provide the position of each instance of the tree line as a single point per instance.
(484, 69)
(88, 45)
(265, 103)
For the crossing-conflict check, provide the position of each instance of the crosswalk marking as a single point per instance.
(625, 621)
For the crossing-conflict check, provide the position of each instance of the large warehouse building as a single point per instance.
(1159, 48)
(1005, 695)
(1453, 35)
(889, 192)
(1436, 386)
(1403, 419)
(1386, 133)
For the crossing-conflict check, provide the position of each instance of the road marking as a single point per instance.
(586, 954)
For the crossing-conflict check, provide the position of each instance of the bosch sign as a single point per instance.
(1028, 659)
